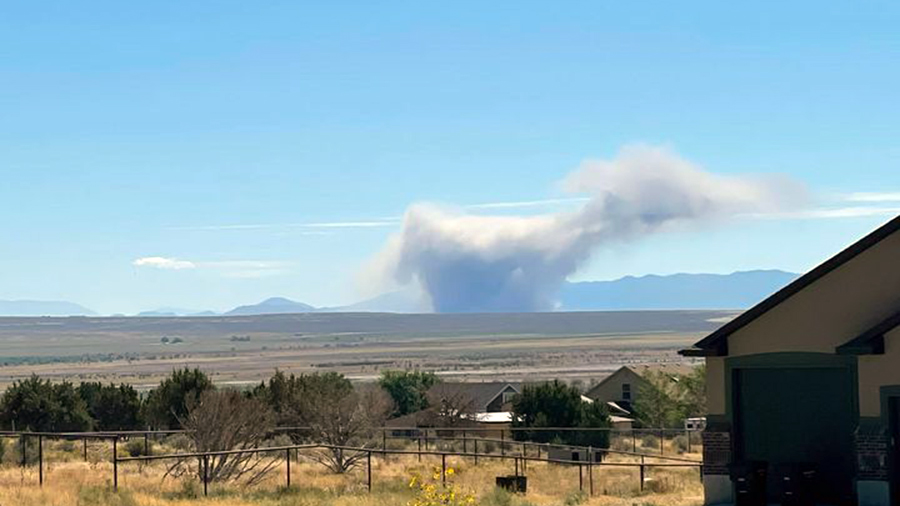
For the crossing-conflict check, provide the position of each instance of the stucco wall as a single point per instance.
(831, 311)
(715, 385)
(876, 371)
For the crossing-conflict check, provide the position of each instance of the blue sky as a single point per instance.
(272, 145)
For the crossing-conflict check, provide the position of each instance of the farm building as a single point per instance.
(810, 379)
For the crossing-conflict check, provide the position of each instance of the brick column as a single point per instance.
(872, 447)
(716, 451)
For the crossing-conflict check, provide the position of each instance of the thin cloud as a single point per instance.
(319, 228)
(164, 263)
(224, 268)
(873, 197)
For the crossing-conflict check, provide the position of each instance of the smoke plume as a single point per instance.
(473, 263)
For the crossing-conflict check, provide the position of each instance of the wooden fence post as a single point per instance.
(591, 477)
(369, 471)
(443, 469)
(146, 444)
(205, 475)
(476, 451)
(41, 460)
(580, 478)
(24, 445)
(642, 473)
(287, 460)
(419, 455)
(115, 466)
(85, 448)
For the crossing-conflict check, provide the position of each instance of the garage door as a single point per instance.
(797, 415)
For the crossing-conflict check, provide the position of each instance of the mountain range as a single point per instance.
(738, 290)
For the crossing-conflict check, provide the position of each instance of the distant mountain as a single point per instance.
(175, 311)
(401, 301)
(42, 308)
(275, 305)
(738, 290)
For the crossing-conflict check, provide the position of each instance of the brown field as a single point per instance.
(239, 350)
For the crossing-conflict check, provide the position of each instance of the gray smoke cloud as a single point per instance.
(467, 263)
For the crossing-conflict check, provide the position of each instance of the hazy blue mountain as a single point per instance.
(42, 308)
(739, 290)
(275, 305)
(401, 301)
(175, 311)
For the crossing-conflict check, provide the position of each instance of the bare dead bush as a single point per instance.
(222, 421)
(340, 415)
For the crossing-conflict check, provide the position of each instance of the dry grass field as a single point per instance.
(240, 350)
(70, 482)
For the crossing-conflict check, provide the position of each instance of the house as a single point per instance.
(810, 378)
(484, 405)
(490, 397)
(619, 389)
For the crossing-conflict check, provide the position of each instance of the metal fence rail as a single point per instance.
(520, 461)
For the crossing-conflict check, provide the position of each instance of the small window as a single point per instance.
(507, 397)
(626, 391)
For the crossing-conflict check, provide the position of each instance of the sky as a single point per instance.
(209, 154)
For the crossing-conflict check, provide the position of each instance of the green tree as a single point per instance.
(692, 392)
(113, 407)
(282, 394)
(168, 403)
(408, 389)
(657, 402)
(555, 404)
(39, 405)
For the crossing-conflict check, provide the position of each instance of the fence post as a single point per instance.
(85, 449)
(287, 459)
(443, 469)
(687, 433)
(633, 441)
(369, 471)
(502, 444)
(476, 451)
(591, 477)
(205, 475)
(662, 440)
(642, 473)
(465, 443)
(24, 450)
(146, 444)
(517, 466)
(41, 460)
(383, 443)
(419, 455)
(524, 455)
(115, 466)
(580, 478)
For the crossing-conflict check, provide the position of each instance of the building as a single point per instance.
(484, 405)
(621, 388)
(810, 377)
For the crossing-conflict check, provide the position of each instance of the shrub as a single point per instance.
(179, 442)
(167, 404)
(575, 498)
(113, 407)
(104, 496)
(135, 448)
(40, 405)
(649, 441)
(622, 444)
(680, 443)
(31, 451)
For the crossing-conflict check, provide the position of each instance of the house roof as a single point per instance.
(481, 394)
(871, 342)
(716, 344)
